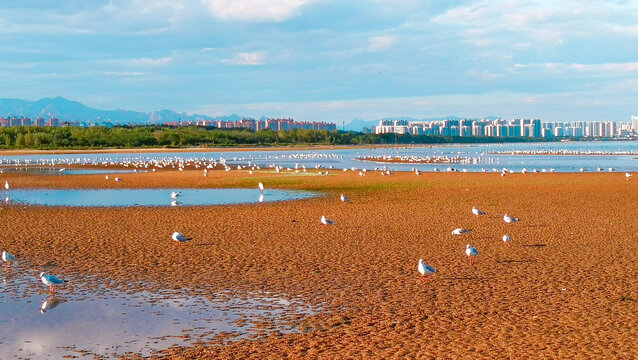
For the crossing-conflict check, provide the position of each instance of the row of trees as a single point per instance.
(33, 137)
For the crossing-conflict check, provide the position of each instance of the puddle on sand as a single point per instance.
(82, 321)
(150, 197)
(42, 170)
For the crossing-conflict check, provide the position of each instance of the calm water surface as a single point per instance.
(85, 318)
(150, 197)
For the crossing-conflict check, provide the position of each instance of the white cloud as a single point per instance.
(255, 10)
(381, 43)
(163, 61)
(252, 59)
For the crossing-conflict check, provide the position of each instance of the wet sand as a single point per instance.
(566, 288)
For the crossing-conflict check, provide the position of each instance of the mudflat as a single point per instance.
(566, 288)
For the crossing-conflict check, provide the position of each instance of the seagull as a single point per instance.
(426, 269)
(175, 195)
(51, 281)
(106, 177)
(460, 231)
(508, 219)
(180, 238)
(326, 221)
(6, 185)
(507, 240)
(261, 186)
(476, 211)
(627, 175)
(471, 252)
(344, 198)
(50, 304)
(118, 179)
(8, 258)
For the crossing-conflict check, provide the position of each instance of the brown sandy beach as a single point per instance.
(566, 288)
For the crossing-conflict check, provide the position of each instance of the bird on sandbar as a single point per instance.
(507, 240)
(118, 179)
(471, 252)
(6, 185)
(180, 238)
(50, 281)
(425, 269)
(460, 231)
(508, 219)
(327, 221)
(8, 258)
(261, 186)
(477, 212)
(627, 175)
(344, 198)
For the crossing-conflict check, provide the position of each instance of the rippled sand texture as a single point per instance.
(566, 288)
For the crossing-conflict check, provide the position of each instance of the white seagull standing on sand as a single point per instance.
(507, 240)
(327, 221)
(508, 219)
(261, 186)
(118, 179)
(180, 238)
(471, 252)
(50, 281)
(8, 258)
(460, 231)
(627, 175)
(425, 269)
(106, 177)
(344, 198)
(477, 212)
(6, 185)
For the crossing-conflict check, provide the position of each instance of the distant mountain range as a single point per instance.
(67, 110)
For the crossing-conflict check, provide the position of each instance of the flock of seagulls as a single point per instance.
(470, 251)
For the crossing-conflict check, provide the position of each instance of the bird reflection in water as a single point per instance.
(50, 304)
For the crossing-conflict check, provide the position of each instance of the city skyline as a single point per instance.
(327, 60)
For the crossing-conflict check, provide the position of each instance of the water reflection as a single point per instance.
(110, 323)
(150, 197)
(51, 304)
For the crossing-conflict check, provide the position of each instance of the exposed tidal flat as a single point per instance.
(566, 288)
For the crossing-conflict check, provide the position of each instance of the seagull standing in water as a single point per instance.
(507, 240)
(180, 238)
(344, 198)
(460, 231)
(175, 195)
(477, 212)
(471, 252)
(8, 258)
(327, 221)
(425, 269)
(508, 219)
(50, 281)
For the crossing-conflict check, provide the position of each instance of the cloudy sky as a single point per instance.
(332, 60)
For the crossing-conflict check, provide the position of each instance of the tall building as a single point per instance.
(634, 123)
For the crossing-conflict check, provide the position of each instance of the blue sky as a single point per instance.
(330, 60)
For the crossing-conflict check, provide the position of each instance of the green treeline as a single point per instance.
(33, 137)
